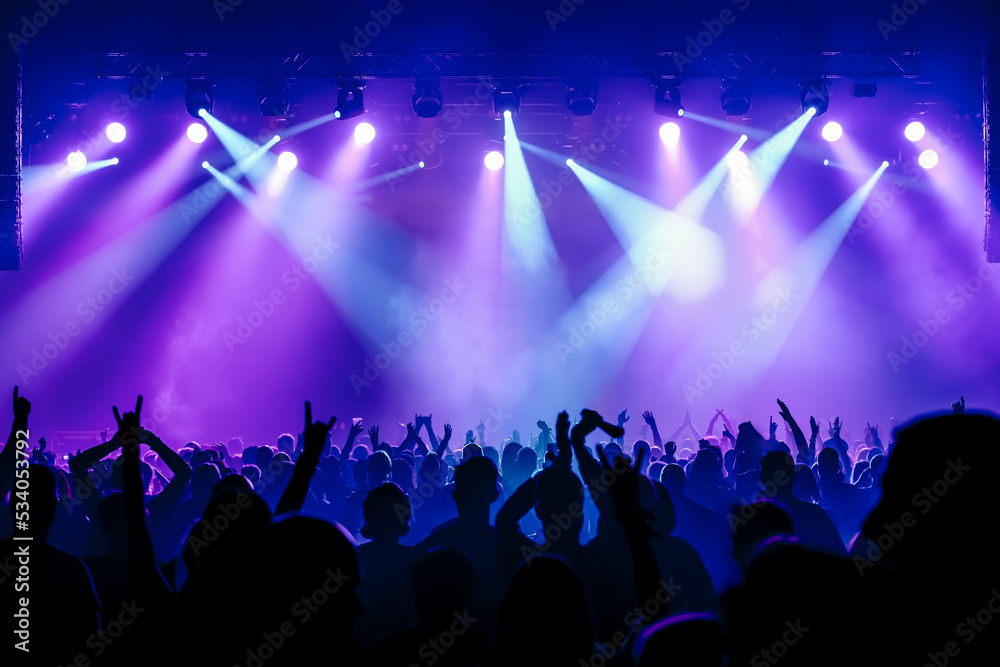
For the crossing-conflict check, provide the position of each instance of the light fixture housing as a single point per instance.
(667, 101)
(506, 98)
(199, 95)
(274, 99)
(814, 94)
(581, 98)
(427, 100)
(350, 100)
(736, 98)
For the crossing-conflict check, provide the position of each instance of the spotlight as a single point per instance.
(427, 98)
(199, 96)
(273, 99)
(736, 98)
(865, 89)
(287, 161)
(826, 163)
(114, 160)
(197, 133)
(832, 131)
(493, 160)
(76, 160)
(668, 101)
(204, 165)
(350, 100)
(915, 131)
(115, 132)
(581, 99)
(506, 99)
(814, 95)
(364, 133)
(928, 159)
(421, 164)
(569, 162)
(736, 159)
(670, 132)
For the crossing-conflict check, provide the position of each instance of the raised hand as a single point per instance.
(21, 406)
(773, 429)
(447, 432)
(469, 436)
(647, 416)
(480, 427)
(373, 436)
(129, 429)
(835, 428)
(623, 417)
(355, 430)
(957, 408)
(874, 432)
(784, 411)
(315, 433)
(687, 418)
(625, 491)
(814, 426)
(545, 428)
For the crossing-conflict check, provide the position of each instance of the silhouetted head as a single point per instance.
(264, 456)
(805, 486)
(443, 582)
(386, 512)
(232, 482)
(402, 473)
(754, 525)
(692, 640)
(672, 477)
(643, 446)
(559, 494)
(859, 469)
(250, 455)
(527, 462)
(379, 468)
(777, 474)
(286, 443)
(475, 485)
(471, 449)
(829, 464)
(508, 460)
(493, 455)
(227, 529)
(203, 478)
(252, 473)
(544, 617)
(200, 457)
(666, 514)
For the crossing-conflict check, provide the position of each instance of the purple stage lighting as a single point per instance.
(197, 133)
(493, 160)
(928, 159)
(832, 131)
(915, 131)
(115, 132)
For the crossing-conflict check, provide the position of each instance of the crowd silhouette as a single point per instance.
(577, 545)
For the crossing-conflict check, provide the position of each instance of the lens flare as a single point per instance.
(76, 160)
(928, 159)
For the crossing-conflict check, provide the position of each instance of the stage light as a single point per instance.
(350, 100)
(826, 163)
(736, 98)
(885, 164)
(667, 101)
(197, 132)
(928, 159)
(287, 161)
(273, 99)
(581, 99)
(814, 95)
(670, 132)
(421, 164)
(114, 160)
(364, 133)
(115, 132)
(76, 160)
(199, 96)
(832, 131)
(493, 160)
(736, 159)
(915, 131)
(204, 164)
(506, 99)
(427, 101)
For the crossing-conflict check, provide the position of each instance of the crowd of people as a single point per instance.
(583, 544)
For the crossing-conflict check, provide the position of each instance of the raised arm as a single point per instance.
(172, 493)
(801, 447)
(842, 447)
(315, 439)
(429, 427)
(651, 421)
(622, 418)
(18, 431)
(442, 447)
(146, 579)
